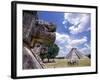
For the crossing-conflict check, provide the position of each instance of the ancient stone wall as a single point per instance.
(29, 18)
(36, 33)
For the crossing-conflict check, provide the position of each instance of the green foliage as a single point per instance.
(43, 56)
(53, 50)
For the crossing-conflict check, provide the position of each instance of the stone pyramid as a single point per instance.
(75, 54)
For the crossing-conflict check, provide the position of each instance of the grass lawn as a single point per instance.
(63, 63)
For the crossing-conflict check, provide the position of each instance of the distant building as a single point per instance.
(75, 54)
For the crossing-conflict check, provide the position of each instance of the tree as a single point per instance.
(43, 56)
(89, 55)
(53, 50)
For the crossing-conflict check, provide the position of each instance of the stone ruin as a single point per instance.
(36, 33)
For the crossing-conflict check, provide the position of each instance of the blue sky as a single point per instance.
(72, 30)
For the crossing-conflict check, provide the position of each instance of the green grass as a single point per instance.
(63, 63)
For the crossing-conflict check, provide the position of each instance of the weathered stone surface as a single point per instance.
(29, 60)
(34, 28)
(29, 18)
(36, 33)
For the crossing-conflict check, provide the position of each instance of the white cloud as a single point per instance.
(78, 41)
(62, 53)
(73, 18)
(86, 45)
(61, 38)
(80, 22)
(86, 49)
(65, 42)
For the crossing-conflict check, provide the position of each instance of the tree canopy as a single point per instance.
(53, 50)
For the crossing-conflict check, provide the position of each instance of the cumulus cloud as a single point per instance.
(86, 49)
(76, 42)
(62, 38)
(79, 22)
(65, 42)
